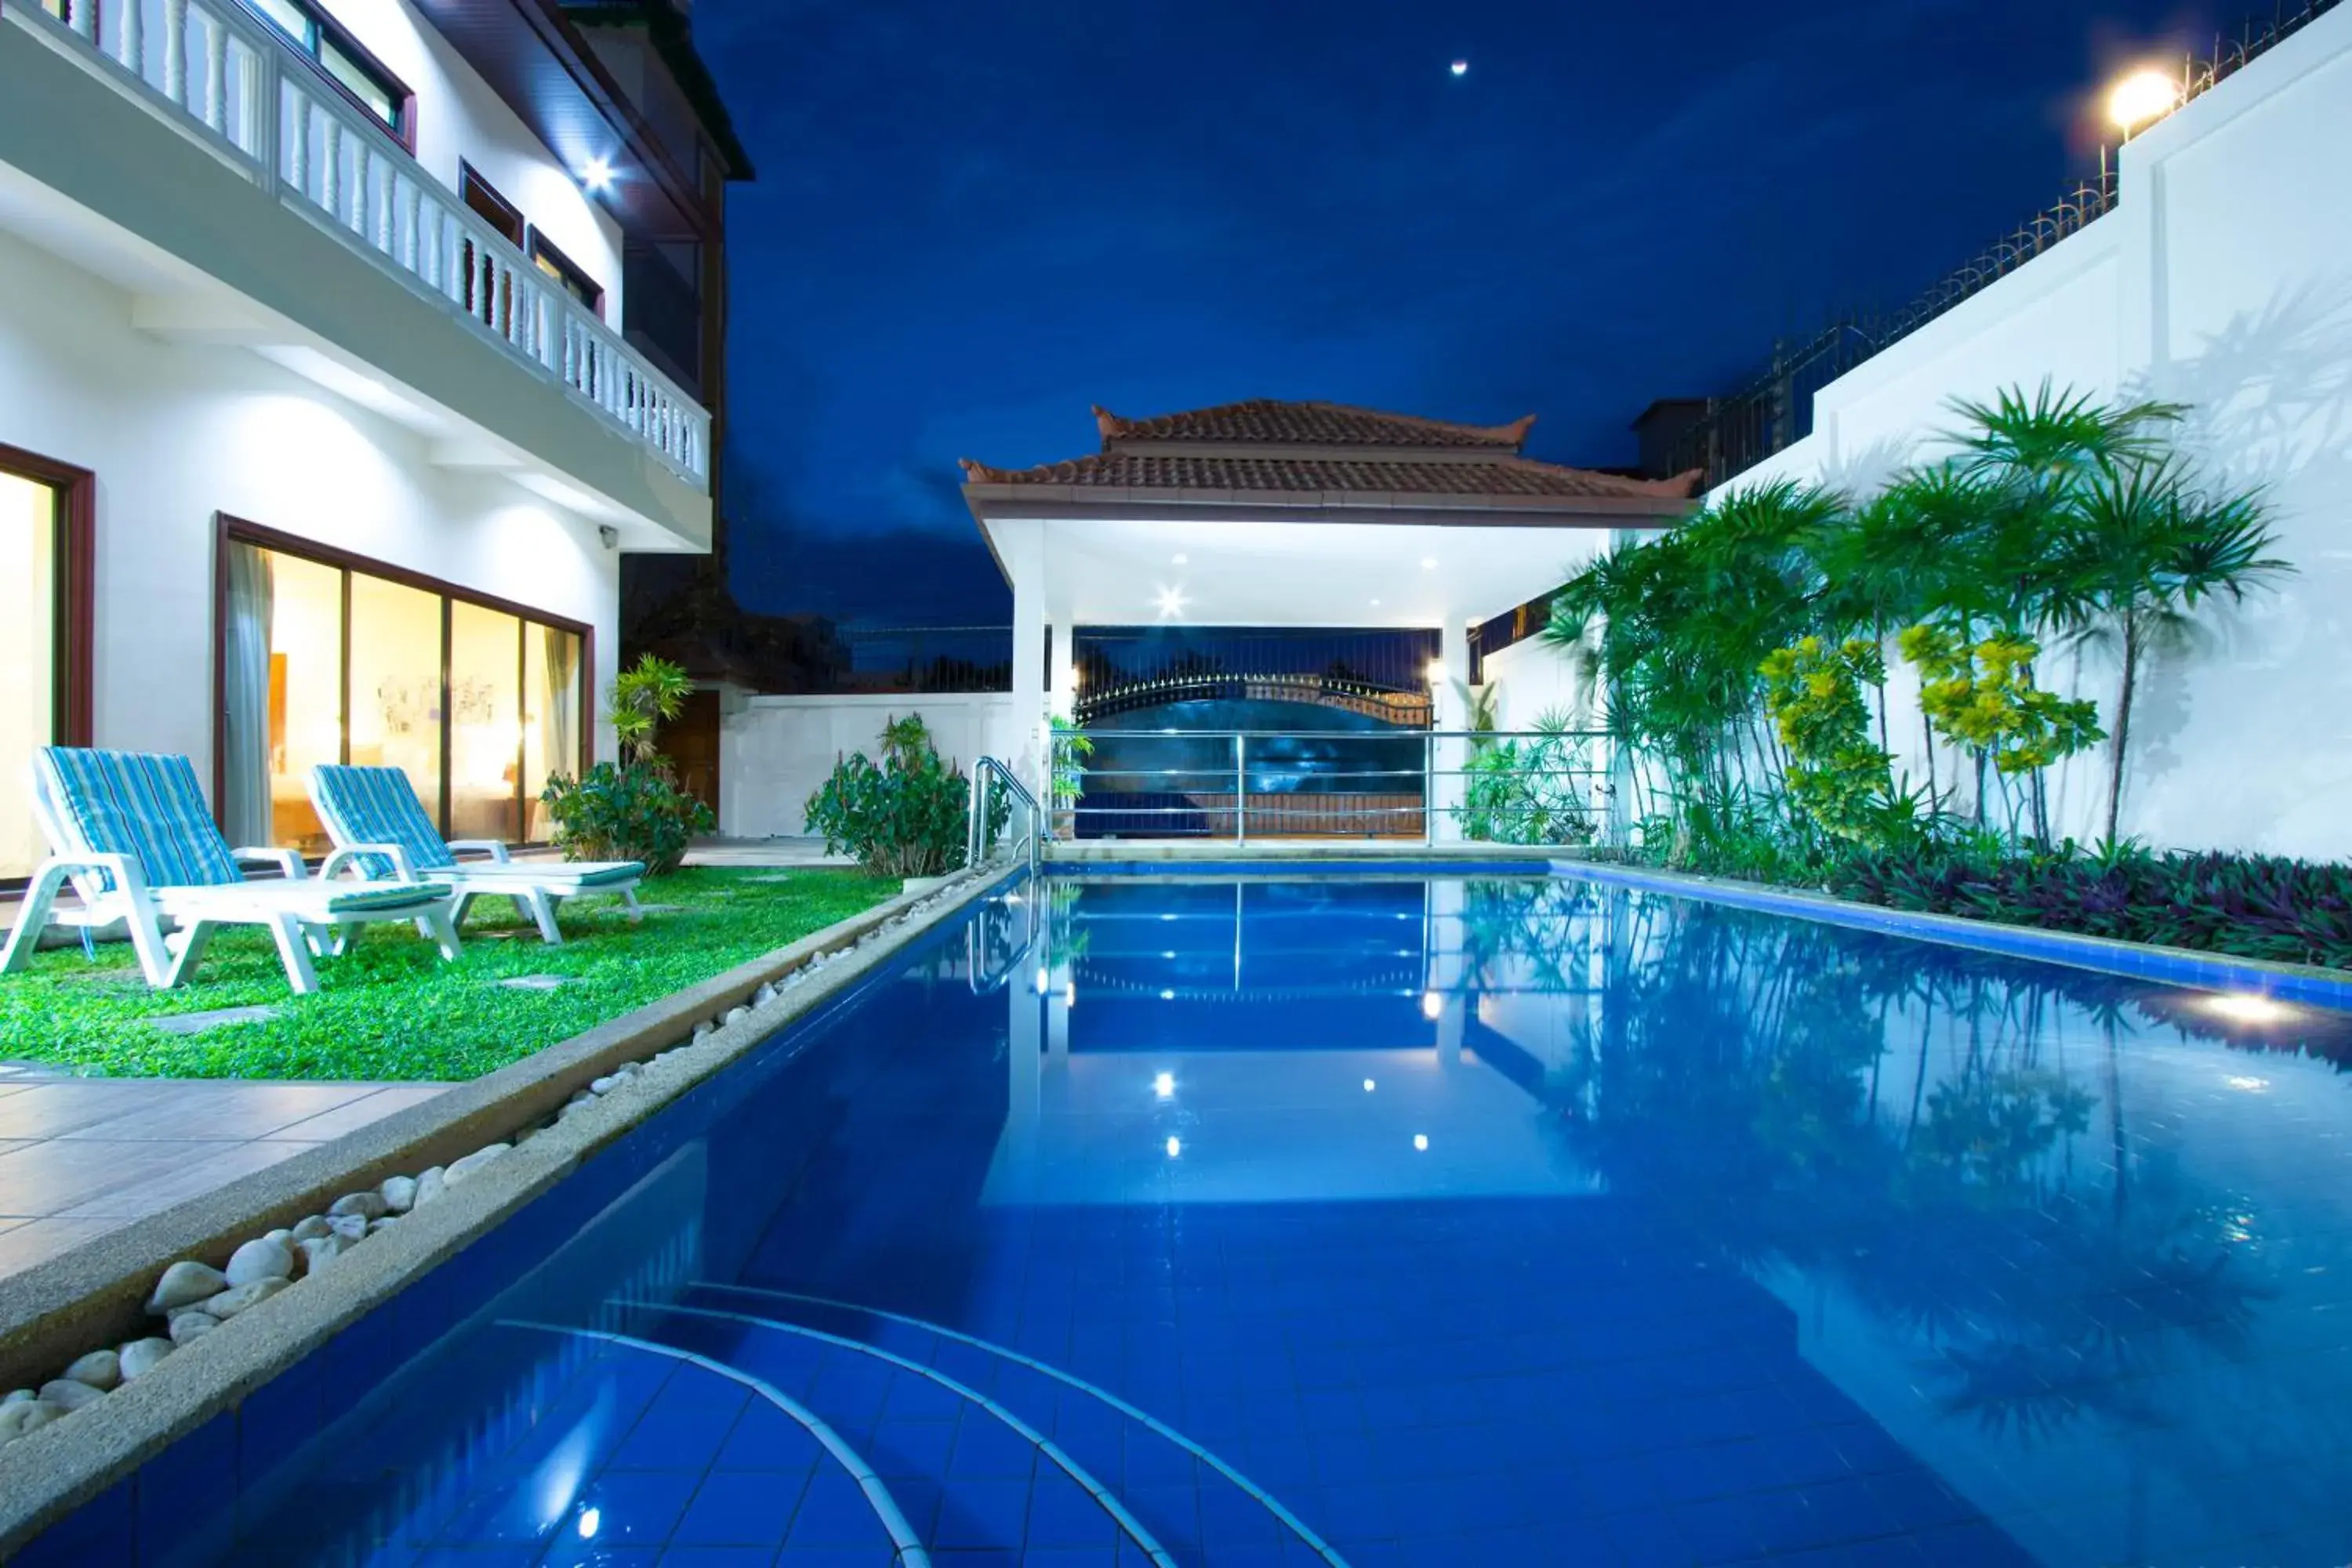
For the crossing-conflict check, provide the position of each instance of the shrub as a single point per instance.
(1525, 792)
(633, 812)
(903, 816)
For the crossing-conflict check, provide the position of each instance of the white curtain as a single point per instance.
(559, 706)
(245, 652)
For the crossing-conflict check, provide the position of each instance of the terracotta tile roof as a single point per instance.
(1503, 475)
(1309, 425)
(1266, 447)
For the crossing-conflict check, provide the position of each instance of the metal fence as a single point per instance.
(1506, 786)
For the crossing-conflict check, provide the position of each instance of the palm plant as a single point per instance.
(2145, 549)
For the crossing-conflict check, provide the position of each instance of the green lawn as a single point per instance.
(389, 1009)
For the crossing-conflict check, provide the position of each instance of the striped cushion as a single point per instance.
(144, 805)
(379, 805)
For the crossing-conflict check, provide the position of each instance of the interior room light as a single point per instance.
(1164, 1085)
(1420, 1139)
(596, 174)
(1171, 602)
(2144, 95)
(1432, 1006)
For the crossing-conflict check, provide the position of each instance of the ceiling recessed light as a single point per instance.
(1376, 603)
(1429, 562)
(1419, 1141)
(1178, 560)
(1460, 67)
(1175, 1147)
(1370, 1085)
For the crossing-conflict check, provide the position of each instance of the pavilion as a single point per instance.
(1269, 513)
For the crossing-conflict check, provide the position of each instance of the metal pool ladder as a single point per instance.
(986, 773)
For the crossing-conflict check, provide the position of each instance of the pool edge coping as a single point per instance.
(96, 1293)
(2107, 955)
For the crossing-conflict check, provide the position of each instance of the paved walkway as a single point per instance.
(81, 1156)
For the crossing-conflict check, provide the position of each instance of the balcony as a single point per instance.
(229, 83)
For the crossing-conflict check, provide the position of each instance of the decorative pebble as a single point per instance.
(349, 1227)
(461, 1169)
(263, 1258)
(366, 1205)
(606, 1084)
(101, 1370)
(183, 1284)
(139, 1356)
(430, 1184)
(309, 1229)
(318, 1251)
(569, 1111)
(386, 1223)
(67, 1394)
(25, 1416)
(17, 1396)
(737, 1014)
(188, 1326)
(399, 1194)
(705, 1028)
(237, 1298)
(764, 995)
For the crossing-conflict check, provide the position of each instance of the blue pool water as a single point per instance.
(1382, 1222)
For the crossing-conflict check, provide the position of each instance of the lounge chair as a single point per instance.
(131, 832)
(373, 816)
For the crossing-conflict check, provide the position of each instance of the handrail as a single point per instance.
(232, 83)
(976, 840)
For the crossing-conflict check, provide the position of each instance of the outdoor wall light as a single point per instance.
(1437, 672)
(596, 175)
(2141, 96)
(2246, 1008)
(1171, 602)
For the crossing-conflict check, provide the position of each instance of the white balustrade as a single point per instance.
(265, 105)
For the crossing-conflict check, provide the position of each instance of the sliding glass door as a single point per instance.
(324, 659)
(31, 682)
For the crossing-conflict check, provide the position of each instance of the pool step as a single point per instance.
(1189, 1503)
(975, 1476)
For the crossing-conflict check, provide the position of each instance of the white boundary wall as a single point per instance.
(2224, 279)
(773, 752)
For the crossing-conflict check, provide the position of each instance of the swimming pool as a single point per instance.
(1396, 1220)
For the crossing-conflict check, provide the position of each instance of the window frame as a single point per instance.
(74, 616)
(326, 30)
(541, 249)
(230, 529)
(471, 184)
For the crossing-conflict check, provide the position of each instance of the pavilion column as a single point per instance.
(1024, 743)
(1451, 707)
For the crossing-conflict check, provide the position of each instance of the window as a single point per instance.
(483, 200)
(328, 658)
(573, 281)
(44, 635)
(339, 55)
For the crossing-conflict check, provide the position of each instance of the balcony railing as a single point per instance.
(227, 80)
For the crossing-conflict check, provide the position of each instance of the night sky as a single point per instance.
(975, 217)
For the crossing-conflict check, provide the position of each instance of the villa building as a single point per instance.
(345, 347)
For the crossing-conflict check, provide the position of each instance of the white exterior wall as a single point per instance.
(458, 117)
(1531, 678)
(775, 752)
(2225, 280)
(178, 432)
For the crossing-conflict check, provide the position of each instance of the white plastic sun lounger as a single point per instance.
(373, 816)
(132, 835)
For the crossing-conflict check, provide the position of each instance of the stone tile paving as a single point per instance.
(79, 1157)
